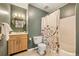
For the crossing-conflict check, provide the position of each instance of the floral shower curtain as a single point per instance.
(49, 30)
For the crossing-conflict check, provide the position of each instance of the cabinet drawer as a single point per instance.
(18, 36)
(23, 36)
(13, 37)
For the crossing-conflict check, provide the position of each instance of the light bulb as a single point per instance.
(15, 15)
(22, 16)
(19, 15)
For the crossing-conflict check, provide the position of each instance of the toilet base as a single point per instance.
(41, 53)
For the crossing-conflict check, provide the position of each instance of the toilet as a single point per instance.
(41, 47)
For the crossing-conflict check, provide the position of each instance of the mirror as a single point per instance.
(18, 19)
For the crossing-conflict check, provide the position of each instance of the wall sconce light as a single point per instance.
(18, 16)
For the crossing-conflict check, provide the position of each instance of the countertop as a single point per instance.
(17, 33)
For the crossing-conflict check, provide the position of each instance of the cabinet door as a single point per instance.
(16, 45)
(23, 42)
(11, 46)
(19, 44)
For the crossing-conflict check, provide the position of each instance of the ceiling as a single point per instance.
(48, 7)
(22, 5)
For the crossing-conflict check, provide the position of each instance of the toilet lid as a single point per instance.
(42, 45)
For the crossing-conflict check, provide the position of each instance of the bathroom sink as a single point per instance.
(17, 33)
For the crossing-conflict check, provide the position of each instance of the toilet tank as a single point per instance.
(37, 39)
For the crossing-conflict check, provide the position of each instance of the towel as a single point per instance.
(0, 36)
(6, 29)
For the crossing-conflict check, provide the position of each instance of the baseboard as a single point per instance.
(32, 49)
(16, 53)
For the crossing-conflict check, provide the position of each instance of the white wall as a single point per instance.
(68, 34)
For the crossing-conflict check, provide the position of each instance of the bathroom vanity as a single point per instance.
(17, 42)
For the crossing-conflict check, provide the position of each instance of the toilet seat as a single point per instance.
(42, 46)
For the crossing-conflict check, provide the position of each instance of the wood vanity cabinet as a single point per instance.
(17, 43)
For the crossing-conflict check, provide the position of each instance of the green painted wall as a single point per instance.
(34, 21)
(4, 17)
(67, 10)
(77, 29)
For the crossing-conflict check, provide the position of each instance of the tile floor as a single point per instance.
(48, 53)
(31, 53)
